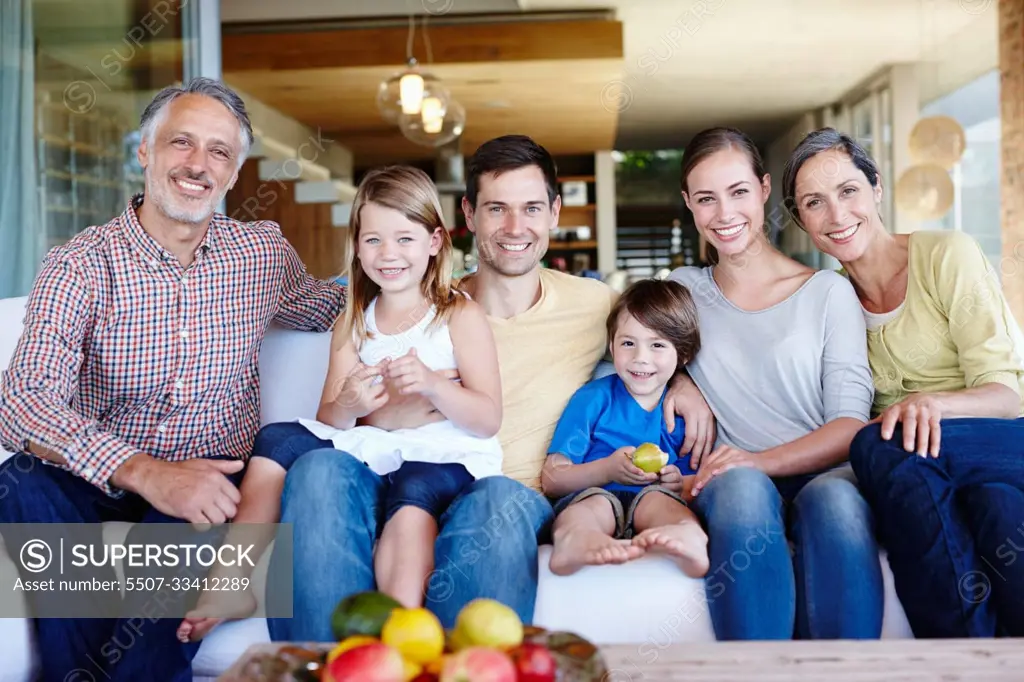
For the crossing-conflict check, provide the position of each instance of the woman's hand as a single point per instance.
(921, 414)
(409, 375)
(619, 468)
(685, 399)
(723, 458)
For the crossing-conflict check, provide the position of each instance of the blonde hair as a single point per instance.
(412, 193)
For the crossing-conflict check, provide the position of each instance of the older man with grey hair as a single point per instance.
(133, 393)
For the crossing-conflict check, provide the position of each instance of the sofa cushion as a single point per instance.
(293, 366)
(649, 602)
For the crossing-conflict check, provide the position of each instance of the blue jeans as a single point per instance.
(953, 526)
(425, 485)
(486, 547)
(127, 649)
(829, 586)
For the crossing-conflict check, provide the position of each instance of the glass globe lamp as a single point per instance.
(432, 129)
(404, 93)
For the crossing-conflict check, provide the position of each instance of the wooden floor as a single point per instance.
(893, 660)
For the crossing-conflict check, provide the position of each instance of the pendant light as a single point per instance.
(403, 93)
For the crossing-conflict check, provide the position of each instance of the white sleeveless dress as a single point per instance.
(439, 442)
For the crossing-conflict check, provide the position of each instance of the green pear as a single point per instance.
(649, 457)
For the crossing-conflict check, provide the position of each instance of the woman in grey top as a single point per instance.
(783, 366)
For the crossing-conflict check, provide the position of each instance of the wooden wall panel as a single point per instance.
(1011, 66)
(308, 228)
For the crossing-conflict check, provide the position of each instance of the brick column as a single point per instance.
(1011, 67)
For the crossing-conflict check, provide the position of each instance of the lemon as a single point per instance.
(488, 623)
(649, 457)
(349, 643)
(416, 634)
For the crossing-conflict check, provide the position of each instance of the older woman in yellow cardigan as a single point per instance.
(942, 464)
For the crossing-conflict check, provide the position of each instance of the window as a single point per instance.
(883, 155)
(864, 122)
(976, 207)
(93, 67)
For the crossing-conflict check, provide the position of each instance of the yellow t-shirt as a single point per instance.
(545, 355)
(955, 331)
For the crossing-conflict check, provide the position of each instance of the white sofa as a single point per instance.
(647, 602)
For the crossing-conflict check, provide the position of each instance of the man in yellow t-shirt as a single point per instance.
(550, 330)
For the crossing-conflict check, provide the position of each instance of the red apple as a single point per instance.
(374, 662)
(534, 663)
(478, 664)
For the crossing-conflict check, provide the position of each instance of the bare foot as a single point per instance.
(685, 542)
(227, 605)
(576, 549)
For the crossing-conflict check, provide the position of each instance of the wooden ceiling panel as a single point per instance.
(451, 44)
(543, 79)
(532, 98)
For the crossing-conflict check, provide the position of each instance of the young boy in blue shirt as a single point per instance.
(608, 510)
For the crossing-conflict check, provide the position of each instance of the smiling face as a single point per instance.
(192, 160)
(837, 205)
(644, 360)
(727, 200)
(392, 250)
(512, 220)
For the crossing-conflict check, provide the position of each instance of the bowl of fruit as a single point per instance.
(377, 640)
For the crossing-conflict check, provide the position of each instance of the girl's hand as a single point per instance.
(409, 375)
(721, 459)
(362, 392)
(620, 468)
(921, 414)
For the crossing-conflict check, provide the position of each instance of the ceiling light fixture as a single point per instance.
(418, 102)
(435, 131)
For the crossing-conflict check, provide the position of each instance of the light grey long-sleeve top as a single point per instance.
(775, 375)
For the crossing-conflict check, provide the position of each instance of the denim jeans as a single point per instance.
(953, 526)
(829, 586)
(429, 486)
(128, 649)
(486, 547)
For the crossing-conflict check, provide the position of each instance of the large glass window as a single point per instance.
(864, 122)
(976, 208)
(83, 75)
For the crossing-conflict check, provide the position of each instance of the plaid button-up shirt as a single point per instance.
(126, 351)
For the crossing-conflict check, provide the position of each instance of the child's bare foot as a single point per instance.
(575, 549)
(685, 542)
(227, 605)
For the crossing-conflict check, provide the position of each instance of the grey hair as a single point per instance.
(157, 109)
(815, 143)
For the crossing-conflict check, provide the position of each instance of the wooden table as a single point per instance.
(893, 660)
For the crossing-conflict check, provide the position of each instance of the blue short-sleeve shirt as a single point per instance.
(602, 417)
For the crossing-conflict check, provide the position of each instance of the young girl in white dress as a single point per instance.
(405, 324)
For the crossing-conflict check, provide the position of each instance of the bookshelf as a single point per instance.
(573, 247)
(87, 168)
